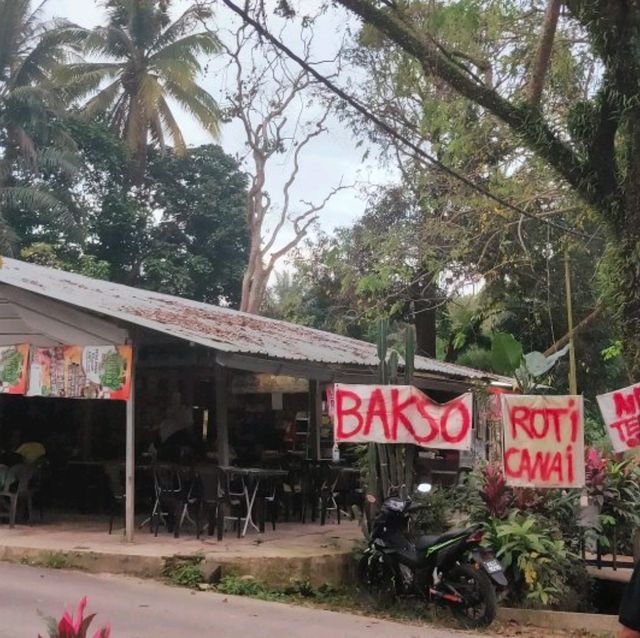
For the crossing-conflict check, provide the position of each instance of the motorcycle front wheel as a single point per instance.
(376, 580)
(479, 605)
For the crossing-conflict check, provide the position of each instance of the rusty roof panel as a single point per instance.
(209, 325)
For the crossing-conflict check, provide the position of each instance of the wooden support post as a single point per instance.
(222, 415)
(315, 418)
(573, 380)
(130, 460)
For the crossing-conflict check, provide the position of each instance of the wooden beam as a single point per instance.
(222, 415)
(315, 418)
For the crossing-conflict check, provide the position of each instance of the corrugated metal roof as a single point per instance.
(212, 326)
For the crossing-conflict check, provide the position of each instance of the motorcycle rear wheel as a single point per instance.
(376, 581)
(480, 605)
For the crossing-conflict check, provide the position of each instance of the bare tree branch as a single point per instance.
(543, 53)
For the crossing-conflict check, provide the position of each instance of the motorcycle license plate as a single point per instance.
(492, 566)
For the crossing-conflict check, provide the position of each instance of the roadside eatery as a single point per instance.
(160, 412)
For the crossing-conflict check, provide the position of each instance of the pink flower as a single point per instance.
(70, 627)
(105, 632)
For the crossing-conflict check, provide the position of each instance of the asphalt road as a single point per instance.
(145, 609)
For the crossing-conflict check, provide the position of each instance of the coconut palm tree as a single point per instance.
(143, 60)
(31, 134)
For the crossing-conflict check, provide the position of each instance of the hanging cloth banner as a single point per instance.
(81, 372)
(14, 363)
(543, 440)
(401, 414)
(621, 414)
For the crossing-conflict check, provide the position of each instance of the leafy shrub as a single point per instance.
(435, 518)
(531, 555)
(614, 485)
(187, 575)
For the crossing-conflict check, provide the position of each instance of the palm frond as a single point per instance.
(157, 134)
(30, 197)
(149, 92)
(79, 80)
(111, 42)
(54, 159)
(14, 14)
(48, 53)
(119, 114)
(189, 48)
(177, 70)
(169, 122)
(103, 101)
(184, 24)
(199, 103)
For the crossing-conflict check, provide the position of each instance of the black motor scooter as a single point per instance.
(451, 569)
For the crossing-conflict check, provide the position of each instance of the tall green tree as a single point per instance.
(32, 139)
(199, 248)
(591, 144)
(145, 60)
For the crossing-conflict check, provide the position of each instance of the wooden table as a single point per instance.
(251, 477)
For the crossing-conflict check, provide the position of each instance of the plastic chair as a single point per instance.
(341, 489)
(16, 486)
(190, 500)
(115, 478)
(268, 495)
(211, 503)
(168, 490)
(233, 495)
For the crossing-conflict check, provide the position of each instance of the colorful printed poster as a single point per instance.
(81, 372)
(14, 362)
(543, 440)
(401, 414)
(621, 414)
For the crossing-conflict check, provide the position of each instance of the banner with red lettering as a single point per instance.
(401, 414)
(543, 440)
(621, 413)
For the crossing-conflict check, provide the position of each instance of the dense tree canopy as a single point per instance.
(588, 137)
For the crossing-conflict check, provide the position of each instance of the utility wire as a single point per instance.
(360, 108)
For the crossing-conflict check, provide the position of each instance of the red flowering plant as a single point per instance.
(70, 627)
(613, 484)
(496, 495)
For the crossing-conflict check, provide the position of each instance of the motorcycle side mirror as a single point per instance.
(424, 488)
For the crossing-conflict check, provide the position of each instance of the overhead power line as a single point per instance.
(363, 110)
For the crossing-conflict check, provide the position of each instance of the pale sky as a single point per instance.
(325, 162)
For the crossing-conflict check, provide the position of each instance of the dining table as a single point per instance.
(251, 478)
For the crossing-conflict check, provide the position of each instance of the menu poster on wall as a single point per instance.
(14, 362)
(81, 372)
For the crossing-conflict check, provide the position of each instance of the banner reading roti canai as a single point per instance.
(401, 414)
(14, 361)
(543, 440)
(81, 372)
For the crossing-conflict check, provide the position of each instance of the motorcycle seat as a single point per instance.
(428, 540)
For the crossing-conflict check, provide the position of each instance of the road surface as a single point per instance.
(146, 609)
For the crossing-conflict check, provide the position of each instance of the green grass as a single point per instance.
(50, 560)
(184, 571)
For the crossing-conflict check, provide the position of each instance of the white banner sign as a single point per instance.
(543, 440)
(401, 414)
(621, 413)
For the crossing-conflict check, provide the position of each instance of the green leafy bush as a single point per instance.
(436, 518)
(533, 557)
